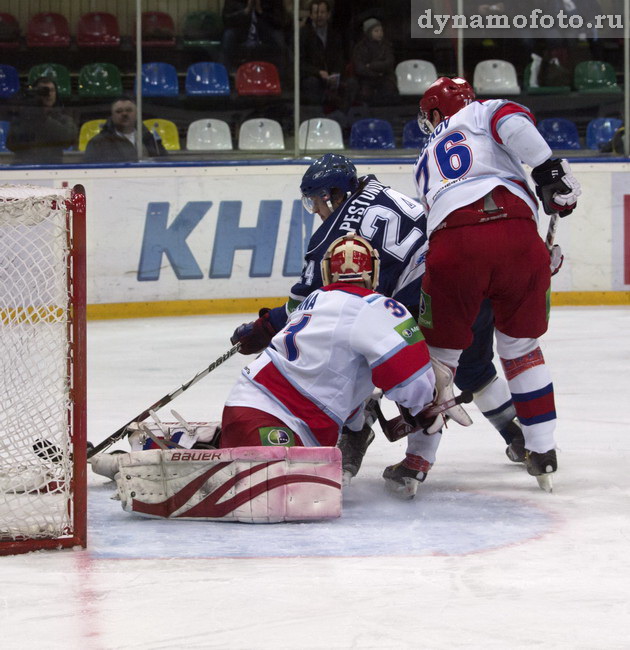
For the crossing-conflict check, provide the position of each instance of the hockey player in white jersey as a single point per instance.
(484, 243)
(339, 344)
(395, 225)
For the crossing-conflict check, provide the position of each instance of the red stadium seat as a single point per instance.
(98, 29)
(158, 29)
(48, 29)
(258, 78)
(9, 32)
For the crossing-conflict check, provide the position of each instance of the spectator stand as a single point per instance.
(182, 37)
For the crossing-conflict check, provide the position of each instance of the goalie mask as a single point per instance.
(351, 259)
(447, 96)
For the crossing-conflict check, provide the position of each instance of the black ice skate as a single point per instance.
(353, 445)
(402, 480)
(515, 451)
(542, 466)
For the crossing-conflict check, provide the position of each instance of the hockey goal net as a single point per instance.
(42, 368)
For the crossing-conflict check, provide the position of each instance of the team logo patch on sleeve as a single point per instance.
(276, 437)
(410, 331)
(425, 316)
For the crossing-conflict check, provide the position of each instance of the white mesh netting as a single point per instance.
(35, 453)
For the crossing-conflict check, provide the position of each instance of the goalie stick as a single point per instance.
(49, 451)
(163, 401)
(397, 428)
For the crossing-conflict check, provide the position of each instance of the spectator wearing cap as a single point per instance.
(374, 65)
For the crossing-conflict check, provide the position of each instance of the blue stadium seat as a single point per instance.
(560, 133)
(9, 81)
(601, 130)
(372, 134)
(4, 130)
(159, 80)
(207, 79)
(413, 138)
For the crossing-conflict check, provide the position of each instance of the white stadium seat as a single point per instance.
(320, 133)
(495, 77)
(414, 76)
(260, 134)
(209, 135)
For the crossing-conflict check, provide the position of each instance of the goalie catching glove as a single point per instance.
(254, 337)
(556, 186)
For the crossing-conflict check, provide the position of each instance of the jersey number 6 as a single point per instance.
(453, 159)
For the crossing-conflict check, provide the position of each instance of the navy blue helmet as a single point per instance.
(330, 172)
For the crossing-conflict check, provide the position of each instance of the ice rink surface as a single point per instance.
(482, 558)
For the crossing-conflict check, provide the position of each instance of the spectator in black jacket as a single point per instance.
(321, 57)
(40, 130)
(374, 65)
(249, 24)
(117, 140)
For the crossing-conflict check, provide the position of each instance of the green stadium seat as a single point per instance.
(202, 29)
(100, 80)
(595, 77)
(55, 71)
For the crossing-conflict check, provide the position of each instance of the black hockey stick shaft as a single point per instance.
(163, 401)
(382, 420)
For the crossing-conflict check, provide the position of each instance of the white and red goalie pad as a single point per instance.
(247, 484)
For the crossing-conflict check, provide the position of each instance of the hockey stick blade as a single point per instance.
(48, 450)
(119, 434)
(398, 428)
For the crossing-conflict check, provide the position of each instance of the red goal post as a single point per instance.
(43, 405)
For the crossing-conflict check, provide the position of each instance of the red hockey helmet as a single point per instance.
(445, 95)
(351, 259)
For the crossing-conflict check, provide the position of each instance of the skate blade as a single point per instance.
(406, 491)
(545, 482)
(514, 457)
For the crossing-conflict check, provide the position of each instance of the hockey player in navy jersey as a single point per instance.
(484, 244)
(395, 225)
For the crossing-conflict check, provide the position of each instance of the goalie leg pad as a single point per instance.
(247, 484)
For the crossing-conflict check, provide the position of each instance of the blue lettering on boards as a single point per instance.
(170, 240)
(229, 237)
(300, 231)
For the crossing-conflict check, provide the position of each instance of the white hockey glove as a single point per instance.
(445, 397)
(556, 186)
(555, 258)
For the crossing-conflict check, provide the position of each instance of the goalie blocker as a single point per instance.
(246, 484)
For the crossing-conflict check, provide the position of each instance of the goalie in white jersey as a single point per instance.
(484, 243)
(339, 344)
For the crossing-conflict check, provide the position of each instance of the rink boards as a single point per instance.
(168, 239)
